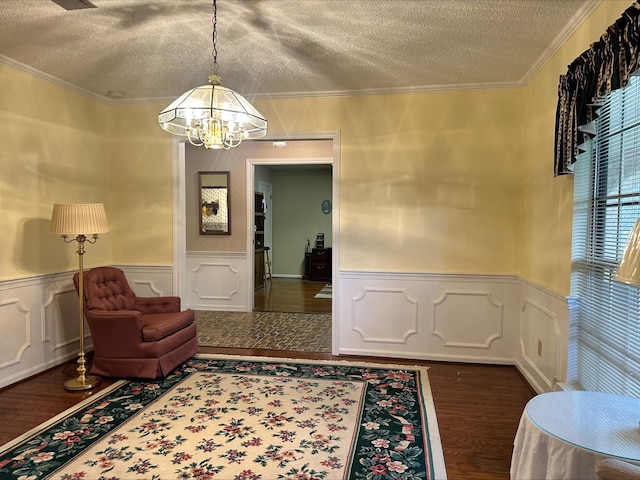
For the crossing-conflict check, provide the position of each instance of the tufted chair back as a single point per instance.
(106, 288)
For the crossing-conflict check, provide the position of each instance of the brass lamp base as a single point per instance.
(86, 383)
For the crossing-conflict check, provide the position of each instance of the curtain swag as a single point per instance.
(604, 67)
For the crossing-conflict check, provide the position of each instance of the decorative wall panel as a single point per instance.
(215, 281)
(61, 318)
(440, 317)
(392, 303)
(468, 319)
(145, 288)
(540, 342)
(149, 281)
(15, 325)
(225, 285)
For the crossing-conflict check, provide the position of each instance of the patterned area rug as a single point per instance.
(326, 292)
(297, 332)
(239, 418)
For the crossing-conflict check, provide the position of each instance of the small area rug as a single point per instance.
(249, 418)
(326, 292)
(299, 332)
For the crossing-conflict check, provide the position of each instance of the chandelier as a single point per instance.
(211, 115)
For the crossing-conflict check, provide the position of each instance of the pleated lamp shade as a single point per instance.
(629, 268)
(78, 219)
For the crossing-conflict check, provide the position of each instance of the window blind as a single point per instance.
(604, 344)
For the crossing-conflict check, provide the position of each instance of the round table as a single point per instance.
(562, 435)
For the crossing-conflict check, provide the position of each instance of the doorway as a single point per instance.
(293, 220)
(242, 298)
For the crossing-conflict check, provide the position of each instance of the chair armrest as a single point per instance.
(115, 333)
(613, 469)
(170, 304)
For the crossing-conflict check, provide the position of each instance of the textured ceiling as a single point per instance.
(157, 49)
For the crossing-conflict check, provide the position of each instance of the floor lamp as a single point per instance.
(78, 221)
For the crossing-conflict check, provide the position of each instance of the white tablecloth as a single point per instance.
(562, 435)
(539, 456)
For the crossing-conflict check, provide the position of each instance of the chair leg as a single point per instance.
(267, 259)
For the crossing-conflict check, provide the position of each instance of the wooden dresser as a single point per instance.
(321, 264)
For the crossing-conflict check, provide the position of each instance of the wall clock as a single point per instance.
(325, 206)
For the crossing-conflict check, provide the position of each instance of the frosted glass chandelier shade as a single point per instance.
(213, 116)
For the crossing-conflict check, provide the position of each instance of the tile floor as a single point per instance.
(299, 332)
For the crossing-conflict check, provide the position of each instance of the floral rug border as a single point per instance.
(416, 443)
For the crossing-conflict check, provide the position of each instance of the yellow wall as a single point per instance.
(428, 181)
(141, 187)
(544, 241)
(54, 149)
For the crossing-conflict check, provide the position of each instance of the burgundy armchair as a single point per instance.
(141, 337)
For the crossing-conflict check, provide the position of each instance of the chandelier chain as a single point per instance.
(214, 37)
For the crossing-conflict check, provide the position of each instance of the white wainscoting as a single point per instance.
(470, 318)
(462, 318)
(39, 323)
(542, 351)
(216, 281)
(150, 281)
(467, 318)
(39, 318)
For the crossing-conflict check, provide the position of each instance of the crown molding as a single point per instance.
(263, 96)
(349, 93)
(50, 78)
(389, 91)
(569, 29)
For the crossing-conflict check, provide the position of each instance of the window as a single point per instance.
(604, 343)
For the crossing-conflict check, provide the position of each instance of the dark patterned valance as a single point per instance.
(604, 67)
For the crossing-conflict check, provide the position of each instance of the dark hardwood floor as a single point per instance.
(291, 295)
(478, 406)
